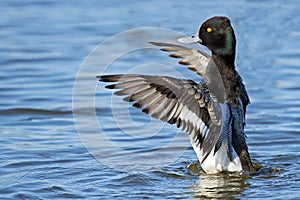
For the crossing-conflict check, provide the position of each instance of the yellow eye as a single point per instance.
(209, 30)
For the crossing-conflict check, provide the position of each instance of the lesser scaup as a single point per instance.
(212, 112)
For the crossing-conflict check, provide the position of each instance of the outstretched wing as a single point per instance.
(197, 60)
(181, 102)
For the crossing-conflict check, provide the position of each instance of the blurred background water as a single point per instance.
(43, 45)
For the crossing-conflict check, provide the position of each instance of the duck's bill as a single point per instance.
(190, 39)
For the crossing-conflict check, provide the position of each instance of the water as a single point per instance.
(44, 156)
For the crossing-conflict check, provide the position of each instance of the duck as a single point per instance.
(211, 112)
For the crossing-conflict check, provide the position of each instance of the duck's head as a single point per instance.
(216, 34)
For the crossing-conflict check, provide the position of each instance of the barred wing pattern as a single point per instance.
(175, 101)
(197, 60)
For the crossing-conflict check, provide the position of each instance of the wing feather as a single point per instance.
(198, 60)
(181, 102)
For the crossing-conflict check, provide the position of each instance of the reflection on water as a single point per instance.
(220, 186)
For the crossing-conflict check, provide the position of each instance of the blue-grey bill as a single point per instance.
(190, 39)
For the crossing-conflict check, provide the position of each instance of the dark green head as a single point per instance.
(218, 36)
